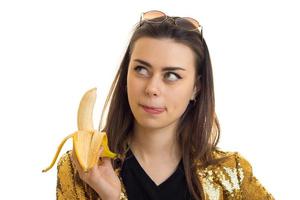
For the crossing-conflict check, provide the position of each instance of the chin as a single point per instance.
(150, 123)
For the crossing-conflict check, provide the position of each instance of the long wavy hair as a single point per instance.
(198, 129)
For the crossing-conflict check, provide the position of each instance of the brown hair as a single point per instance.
(198, 130)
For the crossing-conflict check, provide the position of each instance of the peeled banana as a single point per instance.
(86, 141)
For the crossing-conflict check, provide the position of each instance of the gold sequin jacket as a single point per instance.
(232, 179)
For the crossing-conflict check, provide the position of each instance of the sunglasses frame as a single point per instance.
(191, 20)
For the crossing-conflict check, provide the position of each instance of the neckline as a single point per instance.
(137, 166)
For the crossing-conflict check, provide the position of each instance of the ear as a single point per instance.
(197, 87)
(195, 91)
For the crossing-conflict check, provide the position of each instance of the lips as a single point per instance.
(153, 110)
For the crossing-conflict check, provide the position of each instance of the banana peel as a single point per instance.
(86, 141)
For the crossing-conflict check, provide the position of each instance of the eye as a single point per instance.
(141, 70)
(172, 76)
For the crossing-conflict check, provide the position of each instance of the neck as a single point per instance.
(150, 145)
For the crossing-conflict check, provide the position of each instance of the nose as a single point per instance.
(153, 87)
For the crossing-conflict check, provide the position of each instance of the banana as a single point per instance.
(87, 140)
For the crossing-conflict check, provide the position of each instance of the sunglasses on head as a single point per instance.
(186, 23)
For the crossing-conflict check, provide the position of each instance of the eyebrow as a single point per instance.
(168, 68)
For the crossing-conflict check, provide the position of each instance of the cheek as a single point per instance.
(178, 100)
(134, 89)
(132, 86)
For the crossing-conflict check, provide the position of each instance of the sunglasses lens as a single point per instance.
(187, 23)
(154, 16)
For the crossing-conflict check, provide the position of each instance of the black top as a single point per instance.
(139, 186)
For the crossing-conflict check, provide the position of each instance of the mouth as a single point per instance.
(152, 110)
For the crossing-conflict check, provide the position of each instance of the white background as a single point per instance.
(51, 52)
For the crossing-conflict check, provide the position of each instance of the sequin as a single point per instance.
(232, 183)
(211, 191)
(230, 180)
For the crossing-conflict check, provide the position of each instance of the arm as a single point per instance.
(251, 188)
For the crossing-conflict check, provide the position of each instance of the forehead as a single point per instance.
(163, 52)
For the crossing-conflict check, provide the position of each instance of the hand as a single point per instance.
(102, 177)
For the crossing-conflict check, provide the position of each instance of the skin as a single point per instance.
(154, 141)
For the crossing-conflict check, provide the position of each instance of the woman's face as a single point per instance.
(160, 81)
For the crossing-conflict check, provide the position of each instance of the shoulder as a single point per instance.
(232, 175)
(231, 164)
(232, 159)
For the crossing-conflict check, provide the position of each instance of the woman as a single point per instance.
(162, 124)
